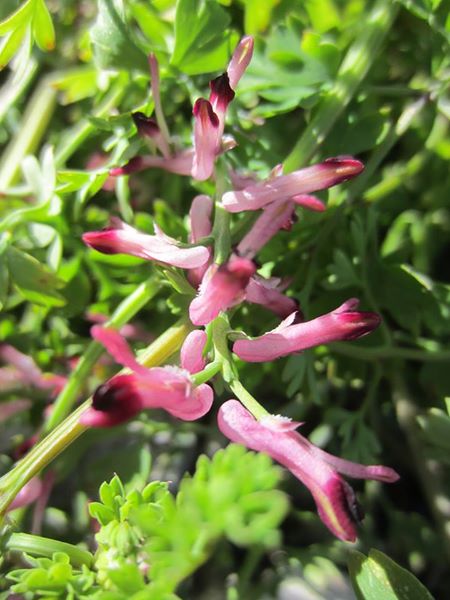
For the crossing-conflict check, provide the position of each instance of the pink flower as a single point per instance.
(201, 227)
(221, 288)
(318, 177)
(240, 60)
(343, 323)
(28, 494)
(276, 216)
(24, 371)
(206, 140)
(209, 123)
(267, 293)
(319, 471)
(191, 353)
(125, 395)
(121, 238)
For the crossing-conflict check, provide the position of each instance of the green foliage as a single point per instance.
(377, 576)
(230, 496)
(202, 40)
(31, 21)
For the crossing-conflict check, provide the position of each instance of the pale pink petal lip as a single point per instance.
(317, 177)
(221, 288)
(28, 494)
(206, 139)
(191, 353)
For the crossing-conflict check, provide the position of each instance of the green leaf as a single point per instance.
(111, 39)
(378, 576)
(18, 19)
(43, 30)
(11, 44)
(33, 280)
(202, 42)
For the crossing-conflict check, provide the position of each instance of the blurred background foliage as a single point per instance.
(74, 72)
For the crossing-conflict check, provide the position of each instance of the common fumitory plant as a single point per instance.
(186, 205)
(222, 279)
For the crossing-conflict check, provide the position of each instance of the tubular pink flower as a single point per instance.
(27, 372)
(319, 471)
(267, 293)
(275, 216)
(191, 353)
(121, 238)
(201, 227)
(206, 139)
(240, 60)
(221, 288)
(180, 164)
(125, 395)
(318, 177)
(343, 323)
(28, 494)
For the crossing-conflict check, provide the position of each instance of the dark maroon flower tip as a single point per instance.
(221, 92)
(132, 166)
(100, 241)
(360, 323)
(145, 125)
(345, 167)
(343, 513)
(203, 110)
(117, 399)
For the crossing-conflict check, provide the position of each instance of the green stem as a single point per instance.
(34, 123)
(404, 122)
(250, 403)
(83, 130)
(43, 453)
(388, 352)
(208, 372)
(41, 546)
(356, 64)
(221, 234)
(124, 312)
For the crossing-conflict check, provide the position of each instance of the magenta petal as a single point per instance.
(149, 128)
(181, 164)
(191, 353)
(221, 288)
(341, 324)
(318, 177)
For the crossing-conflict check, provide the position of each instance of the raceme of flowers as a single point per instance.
(222, 286)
